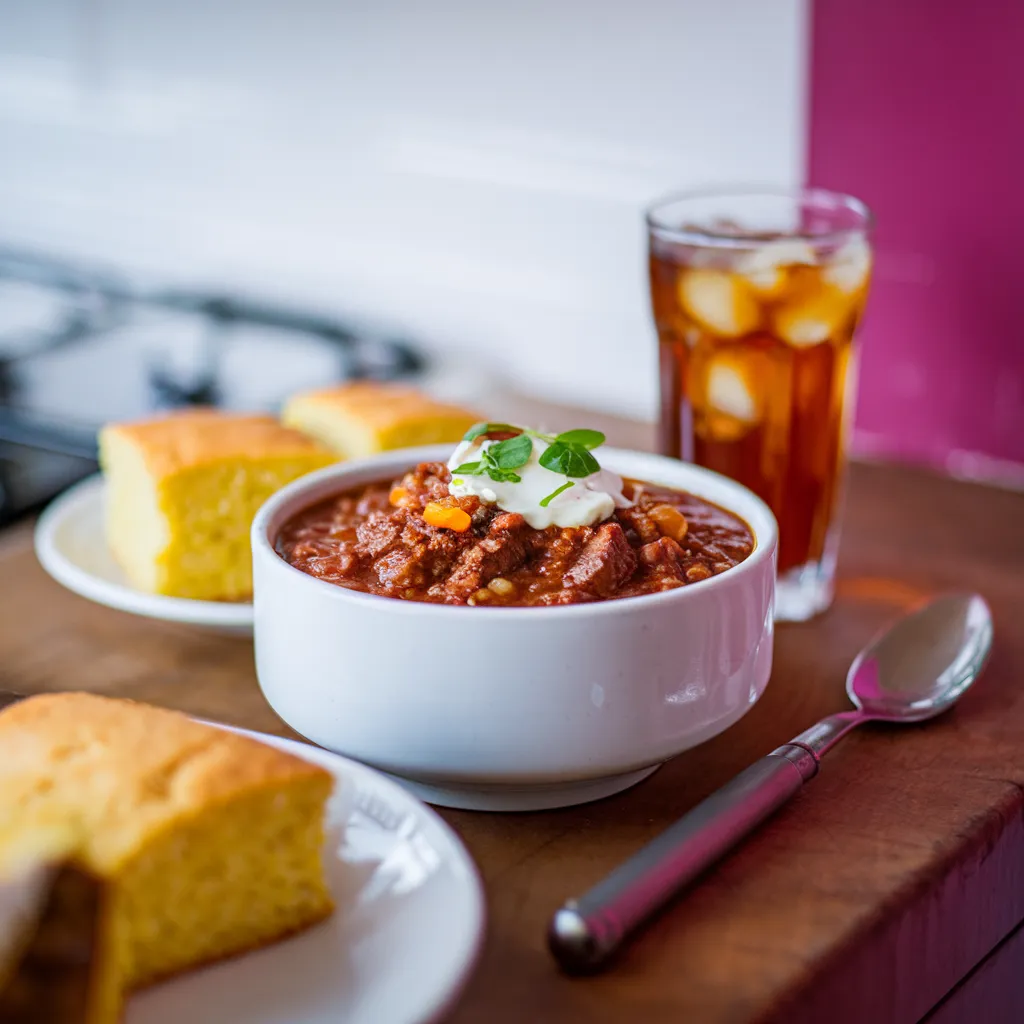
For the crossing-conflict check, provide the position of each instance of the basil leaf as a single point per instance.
(512, 453)
(471, 468)
(544, 502)
(556, 458)
(504, 476)
(569, 460)
(582, 438)
(580, 462)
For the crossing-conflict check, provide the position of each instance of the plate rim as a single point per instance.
(120, 596)
(445, 1000)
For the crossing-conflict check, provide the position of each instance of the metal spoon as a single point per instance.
(913, 671)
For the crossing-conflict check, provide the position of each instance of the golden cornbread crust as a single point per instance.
(196, 437)
(210, 841)
(366, 417)
(381, 404)
(182, 491)
(144, 745)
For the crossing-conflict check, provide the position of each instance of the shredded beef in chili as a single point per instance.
(375, 539)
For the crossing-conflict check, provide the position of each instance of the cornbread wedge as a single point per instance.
(364, 418)
(183, 490)
(208, 843)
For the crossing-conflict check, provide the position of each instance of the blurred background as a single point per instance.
(217, 200)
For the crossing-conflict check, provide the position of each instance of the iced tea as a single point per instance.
(756, 330)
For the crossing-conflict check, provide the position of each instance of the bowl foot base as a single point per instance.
(540, 797)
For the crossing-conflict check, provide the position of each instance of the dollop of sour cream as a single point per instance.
(587, 500)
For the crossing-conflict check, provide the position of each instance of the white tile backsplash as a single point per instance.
(471, 172)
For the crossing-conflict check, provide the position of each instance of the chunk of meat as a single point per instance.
(407, 552)
(443, 546)
(505, 548)
(640, 522)
(337, 566)
(606, 562)
(427, 482)
(402, 568)
(508, 521)
(380, 532)
(555, 549)
(666, 558)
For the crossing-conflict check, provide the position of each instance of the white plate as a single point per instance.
(72, 548)
(405, 935)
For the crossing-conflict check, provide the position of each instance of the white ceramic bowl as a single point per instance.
(513, 708)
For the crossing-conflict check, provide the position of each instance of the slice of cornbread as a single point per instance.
(183, 490)
(365, 418)
(209, 843)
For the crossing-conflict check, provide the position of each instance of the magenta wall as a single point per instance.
(917, 107)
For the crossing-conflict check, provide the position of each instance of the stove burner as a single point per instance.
(81, 346)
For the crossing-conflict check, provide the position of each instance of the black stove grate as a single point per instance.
(77, 310)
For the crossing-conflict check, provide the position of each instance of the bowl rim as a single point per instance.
(320, 484)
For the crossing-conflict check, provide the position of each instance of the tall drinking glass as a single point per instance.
(756, 298)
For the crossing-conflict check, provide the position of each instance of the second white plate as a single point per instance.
(398, 948)
(71, 546)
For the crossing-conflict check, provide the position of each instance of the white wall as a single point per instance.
(473, 171)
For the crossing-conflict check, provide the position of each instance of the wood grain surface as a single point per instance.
(866, 900)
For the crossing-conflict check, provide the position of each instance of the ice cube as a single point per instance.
(730, 393)
(764, 268)
(813, 318)
(849, 267)
(715, 426)
(720, 301)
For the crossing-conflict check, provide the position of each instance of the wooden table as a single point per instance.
(871, 898)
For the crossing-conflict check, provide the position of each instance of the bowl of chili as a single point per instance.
(492, 665)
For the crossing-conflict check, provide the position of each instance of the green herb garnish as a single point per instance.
(499, 460)
(544, 502)
(583, 438)
(511, 453)
(568, 453)
(569, 461)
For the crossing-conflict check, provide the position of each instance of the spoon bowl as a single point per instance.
(919, 667)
